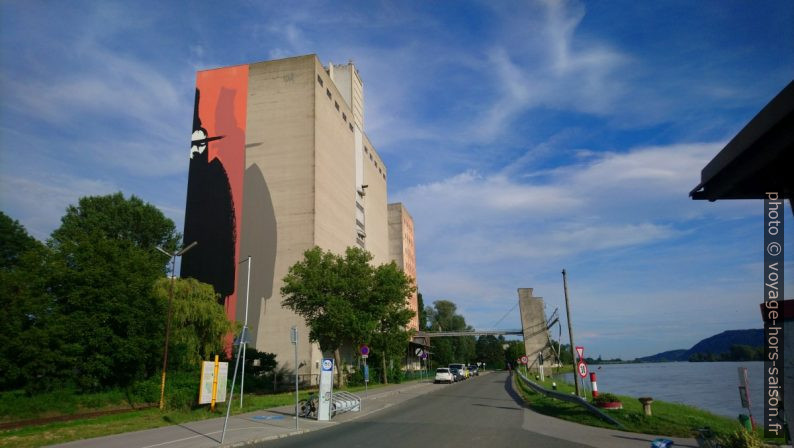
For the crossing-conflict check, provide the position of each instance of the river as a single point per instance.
(712, 386)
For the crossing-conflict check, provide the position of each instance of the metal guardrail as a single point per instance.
(342, 402)
(570, 399)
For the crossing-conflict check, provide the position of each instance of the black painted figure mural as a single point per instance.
(209, 216)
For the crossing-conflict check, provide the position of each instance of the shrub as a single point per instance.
(181, 390)
(606, 398)
(741, 438)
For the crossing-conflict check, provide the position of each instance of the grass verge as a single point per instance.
(62, 432)
(668, 419)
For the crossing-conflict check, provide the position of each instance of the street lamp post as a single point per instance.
(173, 256)
(244, 335)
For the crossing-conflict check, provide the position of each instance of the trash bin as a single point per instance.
(745, 421)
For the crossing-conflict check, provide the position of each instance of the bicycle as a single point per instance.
(308, 407)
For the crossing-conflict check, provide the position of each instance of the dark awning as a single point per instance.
(760, 158)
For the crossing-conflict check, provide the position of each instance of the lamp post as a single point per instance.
(244, 335)
(173, 256)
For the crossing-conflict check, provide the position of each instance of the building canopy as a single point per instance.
(758, 159)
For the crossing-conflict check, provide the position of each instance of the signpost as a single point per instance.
(326, 389)
(581, 367)
(293, 336)
(364, 350)
(744, 392)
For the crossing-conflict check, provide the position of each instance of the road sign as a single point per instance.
(581, 367)
(524, 359)
(364, 350)
(419, 351)
(424, 355)
(580, 351)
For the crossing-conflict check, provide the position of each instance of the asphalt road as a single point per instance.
(479, 412)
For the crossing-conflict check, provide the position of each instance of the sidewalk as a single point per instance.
(252, 427)
(275, 423)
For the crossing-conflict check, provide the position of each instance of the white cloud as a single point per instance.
(477, 233)
(39, 202)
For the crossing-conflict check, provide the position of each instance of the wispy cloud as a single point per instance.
(42, 201)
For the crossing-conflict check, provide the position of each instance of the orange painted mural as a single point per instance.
(213, 212)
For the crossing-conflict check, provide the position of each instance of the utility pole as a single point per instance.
(570, 329)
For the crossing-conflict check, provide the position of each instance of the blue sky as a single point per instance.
(524, 137)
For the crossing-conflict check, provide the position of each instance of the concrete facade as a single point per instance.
(312, 178)
(403, 251)
(533, 324)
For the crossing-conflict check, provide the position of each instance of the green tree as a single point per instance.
(489, 350)
(332, 293)
(103, 268)
(27, 352)
(198, 324)
(388, 306)
(420, 306)
(14, 242)
(514, 350)
(442, 316)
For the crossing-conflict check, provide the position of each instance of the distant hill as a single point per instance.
(714, 345)
(672, 355)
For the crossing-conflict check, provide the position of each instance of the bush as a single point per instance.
(606, 398)
(741, 438)
(181, 390)
(396, 374)
(144, 391)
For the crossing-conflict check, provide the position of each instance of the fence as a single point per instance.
(570, 399)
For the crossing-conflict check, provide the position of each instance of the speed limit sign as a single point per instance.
(524, 360)
(582, 368)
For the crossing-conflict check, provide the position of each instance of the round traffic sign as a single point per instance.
(582, 368)
(364, 350)
(419, 351)
(524, 359)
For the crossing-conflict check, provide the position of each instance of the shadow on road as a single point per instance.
(168, 419)
(512, 393)
(497, 407)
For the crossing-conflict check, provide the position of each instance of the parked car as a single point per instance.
(474, 370)
(462, 368)
(457, 374)
(444, 375)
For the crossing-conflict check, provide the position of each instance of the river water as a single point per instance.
(712, 386)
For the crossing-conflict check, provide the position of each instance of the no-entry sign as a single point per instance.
(581, 367)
